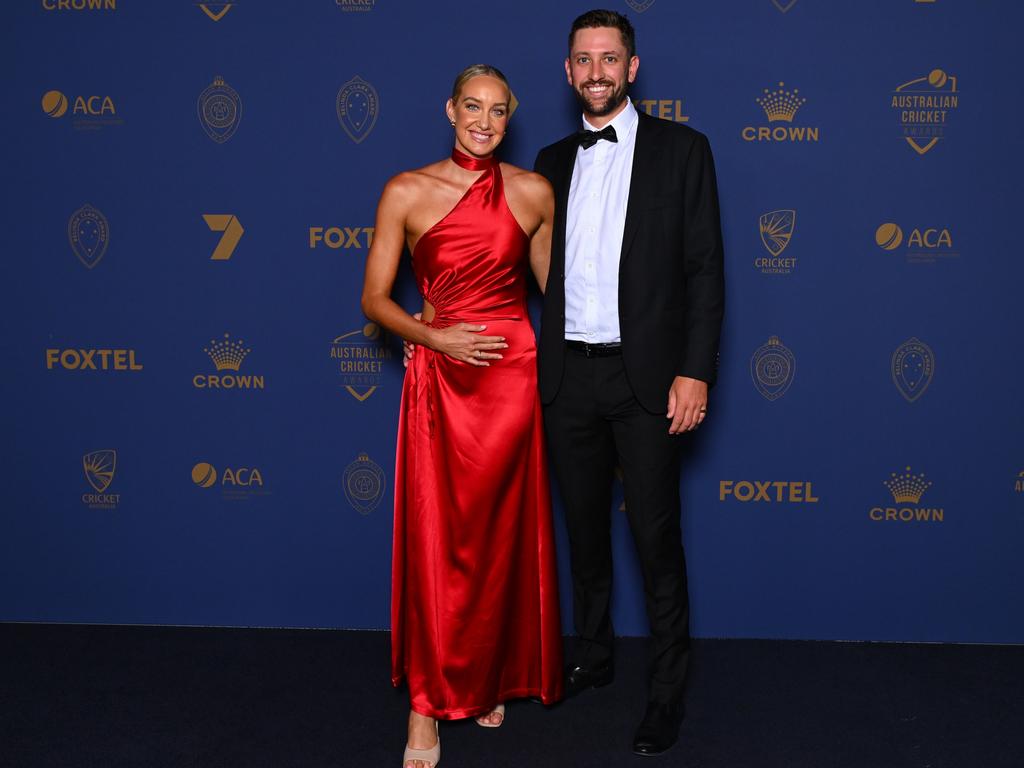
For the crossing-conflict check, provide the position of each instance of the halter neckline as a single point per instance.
(463, 160)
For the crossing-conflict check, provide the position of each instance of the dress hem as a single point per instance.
(461, 713)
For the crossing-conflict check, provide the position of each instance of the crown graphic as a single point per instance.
(227, 355)
(781, 104)
(907, 488)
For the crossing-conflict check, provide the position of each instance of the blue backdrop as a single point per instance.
(200, 426)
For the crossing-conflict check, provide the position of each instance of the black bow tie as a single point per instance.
(587, 139)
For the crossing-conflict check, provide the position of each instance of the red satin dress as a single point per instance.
(474, 605)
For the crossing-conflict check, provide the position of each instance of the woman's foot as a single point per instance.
(424, 746)
(492, 719)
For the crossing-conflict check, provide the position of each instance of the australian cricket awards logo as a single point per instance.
(780, 107)
(364, 484)
(776, 228)
(924, 106)
(784, 5)
(89, 235)
(236, 483)
(227, 356)
(220, 110)
(99, 467)
(913, 366)
(772, 368)
(215, 11)
(924, 245)
(640, 5)
(356, 6)
(907, 490)
(358, 106)
(360, 357)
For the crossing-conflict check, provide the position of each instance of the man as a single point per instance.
(628, 348)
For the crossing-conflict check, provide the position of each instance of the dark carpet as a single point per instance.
(102, 696)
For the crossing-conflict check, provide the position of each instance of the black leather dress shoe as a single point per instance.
(659, 729)
(578, 679)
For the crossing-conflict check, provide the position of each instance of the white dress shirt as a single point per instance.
(595, 219)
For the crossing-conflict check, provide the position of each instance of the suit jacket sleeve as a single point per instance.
(703, 265)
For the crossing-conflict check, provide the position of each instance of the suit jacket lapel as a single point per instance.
(642, 171)
(566, 165)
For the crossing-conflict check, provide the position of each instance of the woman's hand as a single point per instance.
(463, 341)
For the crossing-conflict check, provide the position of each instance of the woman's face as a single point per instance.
(480, 113)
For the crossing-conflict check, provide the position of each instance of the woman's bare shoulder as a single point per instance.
(526, 181)
(414, 183)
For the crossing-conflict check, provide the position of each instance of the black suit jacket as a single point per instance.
(671, 284)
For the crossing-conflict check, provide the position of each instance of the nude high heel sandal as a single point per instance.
(430, 756)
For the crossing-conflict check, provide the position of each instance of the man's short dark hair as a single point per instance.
(601, 18)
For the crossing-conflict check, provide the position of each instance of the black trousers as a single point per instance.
(594, 423)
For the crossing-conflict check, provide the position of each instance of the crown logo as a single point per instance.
(227, 355)
(907, 488)
(780, 104)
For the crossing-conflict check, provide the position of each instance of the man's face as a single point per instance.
(599, 71)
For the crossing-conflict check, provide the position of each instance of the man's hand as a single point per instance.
(687, 404)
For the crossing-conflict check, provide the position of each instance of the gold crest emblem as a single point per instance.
(99, 468)
(776, 229)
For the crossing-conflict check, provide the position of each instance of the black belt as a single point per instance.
(594, 350)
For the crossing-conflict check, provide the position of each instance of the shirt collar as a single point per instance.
(623, 122)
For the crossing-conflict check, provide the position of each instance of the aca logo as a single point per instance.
(341, 237)
(666, 109)
(923, 106)
(771, 491)
(784, 5)
(220, 110)
(92, 359)
(772, 368)
(358, 6)
(99, 467)
(89, 235)
(360, 357)
(358, 107)
(924, 245)
(780, 106)
(363, 482)
(227, 357)
(232, 229)
(215, 11)
(80, 5)
(90, 112)
(236, 483)
(639, 5)
(907, 489)
(776, 229)
(913, 366)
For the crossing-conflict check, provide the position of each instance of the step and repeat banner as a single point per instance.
(200, 423)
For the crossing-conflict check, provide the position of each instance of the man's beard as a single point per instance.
(614, 100)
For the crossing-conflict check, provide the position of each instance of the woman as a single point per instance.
(474, 613)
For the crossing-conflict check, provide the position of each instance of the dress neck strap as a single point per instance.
(463, 160)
